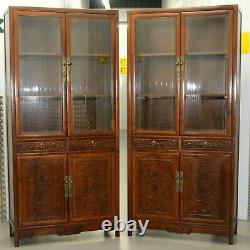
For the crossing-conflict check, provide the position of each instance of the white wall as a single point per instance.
(245, 90)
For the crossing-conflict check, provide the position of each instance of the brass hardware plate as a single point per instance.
(181, 181)
(177, 181)
(70, 186)
(66, 186)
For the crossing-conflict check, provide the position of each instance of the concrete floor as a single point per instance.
(155, 240)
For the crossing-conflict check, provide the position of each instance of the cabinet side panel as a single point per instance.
(237, 79)
(7, 20)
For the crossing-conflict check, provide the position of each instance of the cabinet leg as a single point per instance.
(236, 228)
(17, 240)
(11, 231)
(130, 233)
(106, 234)
(117, 233)
(231, 239)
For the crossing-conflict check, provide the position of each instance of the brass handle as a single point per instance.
(205, 143)
(153, 143)
(66, 186)
(68, 75)
(181, 181)
(70, 186)
(41, 145)
(177, 181)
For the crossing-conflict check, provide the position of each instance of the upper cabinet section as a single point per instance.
(207, 72)
(91, 80)
(65, 72)
(154, 83)
(39, 55)
(181, 69)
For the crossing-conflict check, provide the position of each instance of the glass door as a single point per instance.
(155, 49)
(206, 72)
(90, 74)
(40, 96)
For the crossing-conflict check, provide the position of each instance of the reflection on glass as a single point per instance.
(40, 85)
(91, 79)
(206, 73)
(155, 74)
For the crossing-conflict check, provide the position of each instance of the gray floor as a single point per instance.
(155, 240)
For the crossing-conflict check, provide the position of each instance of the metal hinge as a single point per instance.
(179, 181)
(68, 183)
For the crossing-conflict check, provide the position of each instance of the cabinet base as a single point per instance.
(60, 230)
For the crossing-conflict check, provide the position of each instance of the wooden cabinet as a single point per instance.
(62, 85)
(183, 118)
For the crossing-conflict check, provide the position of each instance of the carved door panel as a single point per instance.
(205, 196)
(41, 197)
(153, 193)
(93, 184)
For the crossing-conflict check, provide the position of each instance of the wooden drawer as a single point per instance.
(206, 144)
(154, 144)
(92, 145)
(40, 146)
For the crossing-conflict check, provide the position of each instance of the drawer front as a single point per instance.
(154, 144)
(40, 146)
(92, 145)
(206, 144)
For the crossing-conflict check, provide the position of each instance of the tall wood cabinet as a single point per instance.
(62, 99)
(183, 114)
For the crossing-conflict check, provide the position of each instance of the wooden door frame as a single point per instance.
(171, 156)
(16, 15)
(132, 17)
(19, 194)
(216, 155)
(229, 79)
(94, 156)
(113, 16)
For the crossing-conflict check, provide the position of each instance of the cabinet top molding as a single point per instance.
(62, 10)
(234, 7)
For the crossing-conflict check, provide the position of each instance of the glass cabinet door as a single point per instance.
(91, 75)
(207, 72)
(40, 82)
(157, 49)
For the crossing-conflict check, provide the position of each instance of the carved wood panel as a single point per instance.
(149, 144)
(207, 144)
(93, 178)
(92, 144)
(153, 186)
(40, 146)
(205, 197)
(41, 190)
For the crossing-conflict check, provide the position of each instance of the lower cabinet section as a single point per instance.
(93, 193)
(41, 197)
(153, 191)
(65, 194)
(206, 180)
(181, 192)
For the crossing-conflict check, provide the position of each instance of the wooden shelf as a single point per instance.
(39, 54)
(154, 54)
(204, 97)
(155, 96)
(91, 55)
(82, 97)
(212, 53)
